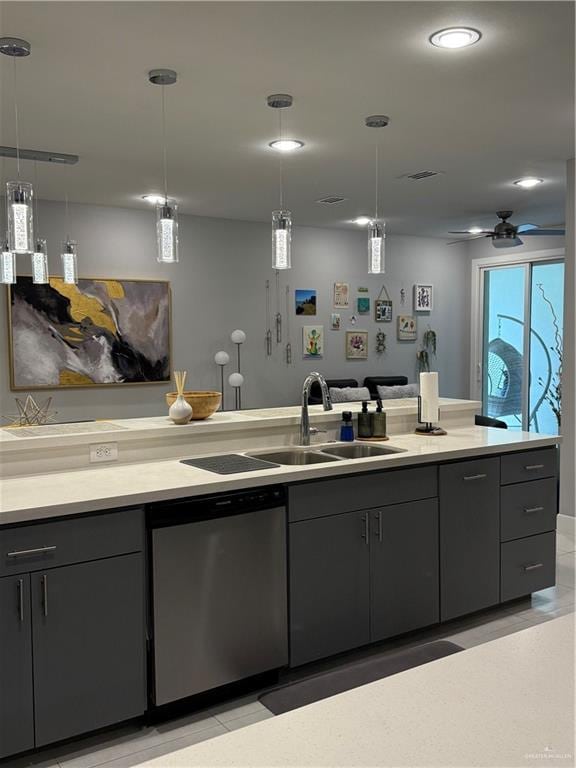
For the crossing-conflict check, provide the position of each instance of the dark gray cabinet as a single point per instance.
(72, 635)
(329, 586)
(16, 697)
(404, 568)
(87, 628)
(469, 536)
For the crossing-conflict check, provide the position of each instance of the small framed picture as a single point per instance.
(335, 321)
(356, 345)
(341, 295)
(363, 305)
(312, 341)
(305, 301)
(406, 328)
(383, 311)
(422, 297)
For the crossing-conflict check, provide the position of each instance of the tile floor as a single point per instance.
(131, 745)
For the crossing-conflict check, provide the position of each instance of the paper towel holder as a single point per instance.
(428, 428)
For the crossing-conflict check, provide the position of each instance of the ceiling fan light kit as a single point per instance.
(505, 234)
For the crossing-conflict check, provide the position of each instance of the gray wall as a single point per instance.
(219, 285)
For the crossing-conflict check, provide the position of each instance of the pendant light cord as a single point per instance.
(281, 164)
(66, 219)
(164, 150)
(16, 118)
(377, 174)
(36, 194)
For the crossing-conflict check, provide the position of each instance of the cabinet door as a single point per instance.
(329, 586)
(405, 591)
(16, 708)
(469, 536)
(88, 635)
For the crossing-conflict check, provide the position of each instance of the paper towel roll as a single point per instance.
(429, 395)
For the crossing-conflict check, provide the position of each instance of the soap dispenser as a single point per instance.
(347, 428)
(364, 421)
(379, 421)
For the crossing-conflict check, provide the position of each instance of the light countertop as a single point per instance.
(509, 702)
(38, 496)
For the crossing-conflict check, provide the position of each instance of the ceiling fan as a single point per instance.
(505, 234)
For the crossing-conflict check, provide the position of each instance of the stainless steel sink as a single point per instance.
(359, 450)
(294, 457)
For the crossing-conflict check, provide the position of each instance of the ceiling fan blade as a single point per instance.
(467, 232)
(465, 239)
(506, 242)
(546, 232)
(526, 227)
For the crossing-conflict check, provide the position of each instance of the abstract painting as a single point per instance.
(363, 305)
(422, 298)
(305, 301)
(406, 328)
(96, 333)
(313, 340)
(356, 345)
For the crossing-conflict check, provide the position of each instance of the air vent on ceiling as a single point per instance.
(420, 175)
(331, 200)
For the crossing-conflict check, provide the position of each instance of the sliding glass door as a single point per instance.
(521, 344)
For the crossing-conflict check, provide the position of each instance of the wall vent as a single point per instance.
(420, 175)
(331, 200)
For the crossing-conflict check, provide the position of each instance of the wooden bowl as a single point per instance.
(204, 404)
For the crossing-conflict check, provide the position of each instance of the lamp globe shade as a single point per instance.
(236, 380)
(221, 358)
(238, 336)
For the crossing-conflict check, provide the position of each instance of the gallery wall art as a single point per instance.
(313, 341)
(341, 295)
(305, 301)
(356, 345)
(98, 333)
(406, 328)
(423, 297)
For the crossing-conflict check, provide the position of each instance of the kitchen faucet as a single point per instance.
(305, 429)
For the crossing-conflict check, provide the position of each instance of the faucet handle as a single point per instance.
(317, 431)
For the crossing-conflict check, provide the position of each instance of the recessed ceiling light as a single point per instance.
(362, 221)
(528, 182)
(154, 199)
(455, 37)
(475, 230)
(286, 145)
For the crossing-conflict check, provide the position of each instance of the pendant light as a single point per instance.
(69, 253)
(166, 210)
(19, 194)
(40, 256)
(282, 218)
(377, 228)
(7, 264)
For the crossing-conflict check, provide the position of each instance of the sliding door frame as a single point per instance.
(479, 268)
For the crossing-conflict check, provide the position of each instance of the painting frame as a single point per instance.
(307, 336)
(363, 305)
(353, 350)
(15, 387)
(407, 328)
(341, 295)
(423, 297)
(302, 299)
(382, 311)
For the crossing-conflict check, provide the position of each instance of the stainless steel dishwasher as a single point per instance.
(219, 591)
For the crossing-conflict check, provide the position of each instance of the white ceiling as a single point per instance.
(484, 116)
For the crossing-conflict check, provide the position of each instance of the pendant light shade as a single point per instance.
(7, 264)
(19, 213)
(167, 232)
(40, 262)
(281, 240)
(69, 262)
(376, 248)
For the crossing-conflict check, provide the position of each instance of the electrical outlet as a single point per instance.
(104, 452)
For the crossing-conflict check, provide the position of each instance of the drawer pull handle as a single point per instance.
(533, 567)
(531, 510)
(21, 600)
(44, 581)
(378, 517)
(366, 522)
(474, 477)
(531, 467)
(27, 552)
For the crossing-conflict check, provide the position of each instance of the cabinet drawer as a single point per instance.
(348, 494)
(528, 565)
(527, 509)
(529, 465)
(64, 541)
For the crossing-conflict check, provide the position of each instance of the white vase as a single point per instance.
(180, 411)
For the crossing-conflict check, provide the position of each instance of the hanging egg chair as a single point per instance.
(505, 369)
